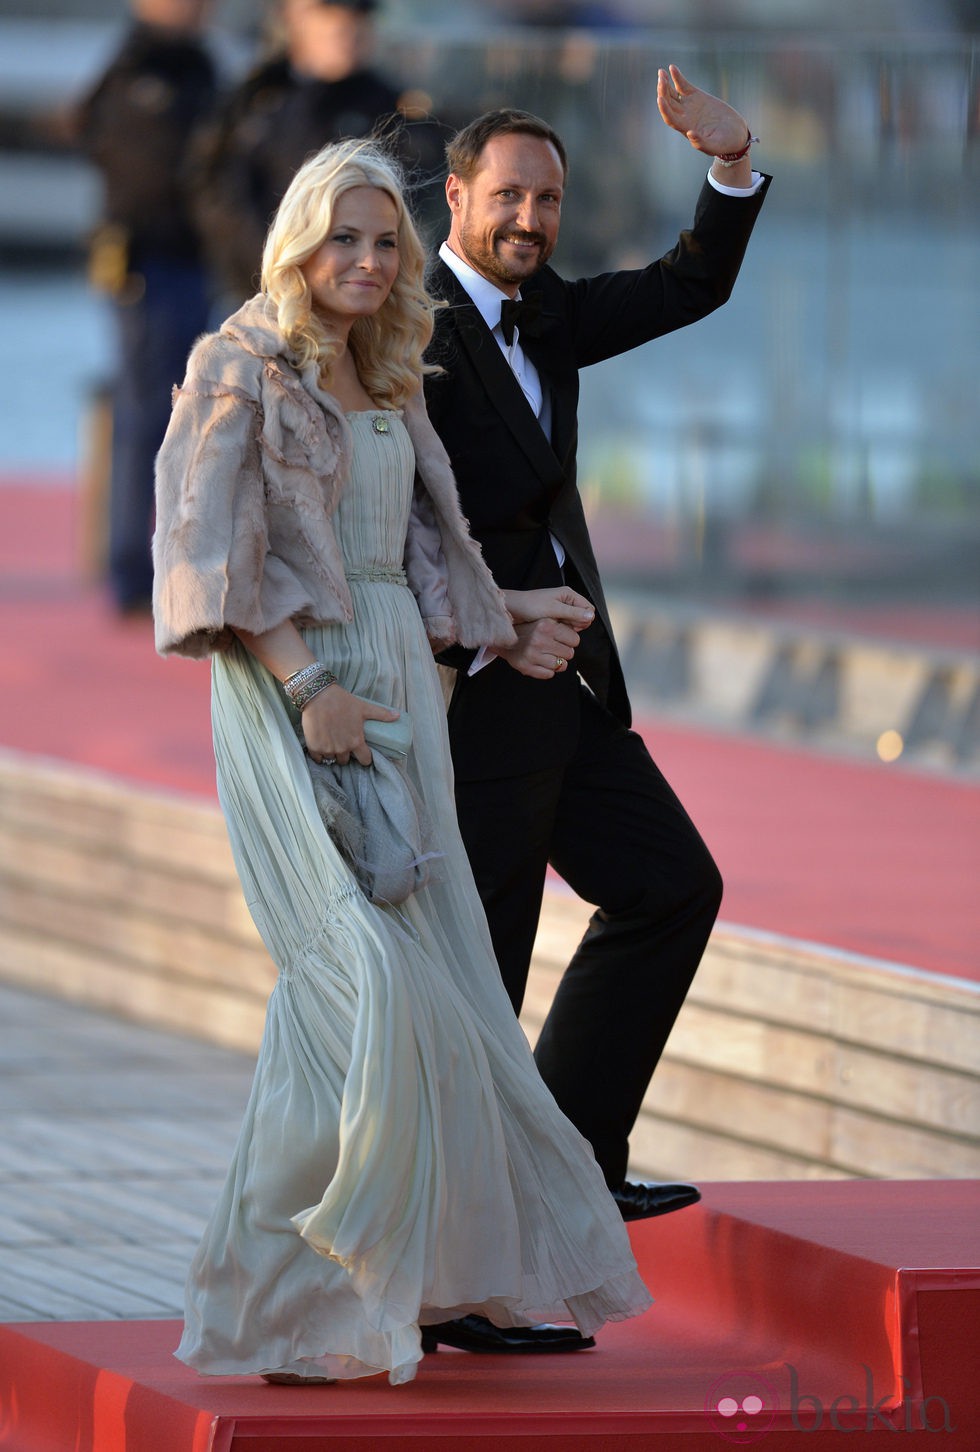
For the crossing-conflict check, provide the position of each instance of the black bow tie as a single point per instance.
(523, 313)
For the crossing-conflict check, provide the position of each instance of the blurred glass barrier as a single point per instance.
(818, 435)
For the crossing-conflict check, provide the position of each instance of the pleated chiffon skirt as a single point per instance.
(400, 1160)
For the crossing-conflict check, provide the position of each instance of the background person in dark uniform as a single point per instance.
(136, 126)
(317, 87)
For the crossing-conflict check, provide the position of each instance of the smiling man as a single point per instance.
(506, 208)
(547, 770)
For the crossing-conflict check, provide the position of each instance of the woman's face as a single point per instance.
(354, 269)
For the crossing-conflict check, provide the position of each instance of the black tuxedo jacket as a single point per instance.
(517, 486)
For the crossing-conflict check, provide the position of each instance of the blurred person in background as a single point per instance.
(136, 126)
(318, 86)
(546, 768)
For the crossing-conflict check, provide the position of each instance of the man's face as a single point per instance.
(505, 219)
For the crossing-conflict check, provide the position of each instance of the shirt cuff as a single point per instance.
(483, 657)
(757, 180)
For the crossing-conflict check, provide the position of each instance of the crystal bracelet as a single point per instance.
(303, 674)
(315, 678)
(313, 688)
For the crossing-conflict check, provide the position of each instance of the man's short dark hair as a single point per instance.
(464, 150)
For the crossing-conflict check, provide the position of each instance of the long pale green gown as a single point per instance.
(400, 1160)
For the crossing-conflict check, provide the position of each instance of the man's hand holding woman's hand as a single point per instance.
(548, 624)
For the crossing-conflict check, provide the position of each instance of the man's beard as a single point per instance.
(484, 259)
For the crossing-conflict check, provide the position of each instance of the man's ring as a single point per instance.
(560, 664)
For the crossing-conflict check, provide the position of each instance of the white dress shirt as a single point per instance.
(487, 298)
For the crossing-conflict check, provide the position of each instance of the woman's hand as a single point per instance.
(333, 721)
(333, 725)
(548, 624)
(558, 602)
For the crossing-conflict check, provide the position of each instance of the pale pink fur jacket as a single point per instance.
(248, 476)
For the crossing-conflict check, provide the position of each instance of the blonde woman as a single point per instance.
(400, 1162)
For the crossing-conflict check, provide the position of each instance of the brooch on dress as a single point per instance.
(380, 424)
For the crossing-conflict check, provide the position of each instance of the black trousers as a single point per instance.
(611, 826)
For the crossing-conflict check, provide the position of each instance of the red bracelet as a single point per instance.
(729, 158)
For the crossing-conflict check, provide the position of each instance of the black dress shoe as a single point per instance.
(476, 1333)
(643, 1201)
(295, 1378)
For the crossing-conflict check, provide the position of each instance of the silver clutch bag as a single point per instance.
(393, 738)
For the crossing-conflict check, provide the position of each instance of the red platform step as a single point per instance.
(786, 1315)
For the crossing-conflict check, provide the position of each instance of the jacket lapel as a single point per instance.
(502, 388)
(559, 379)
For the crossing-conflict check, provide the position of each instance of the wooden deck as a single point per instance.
(789, 1061)
(114, 1139)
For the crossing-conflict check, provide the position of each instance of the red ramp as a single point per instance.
(786, 1314)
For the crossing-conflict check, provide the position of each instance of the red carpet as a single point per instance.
(786, 1314)
(864, 857)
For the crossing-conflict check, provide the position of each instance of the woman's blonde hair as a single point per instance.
(388, 346)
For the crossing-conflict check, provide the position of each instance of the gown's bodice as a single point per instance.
(371, 519)
(376, 652)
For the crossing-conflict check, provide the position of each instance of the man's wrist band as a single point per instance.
(730, 158)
